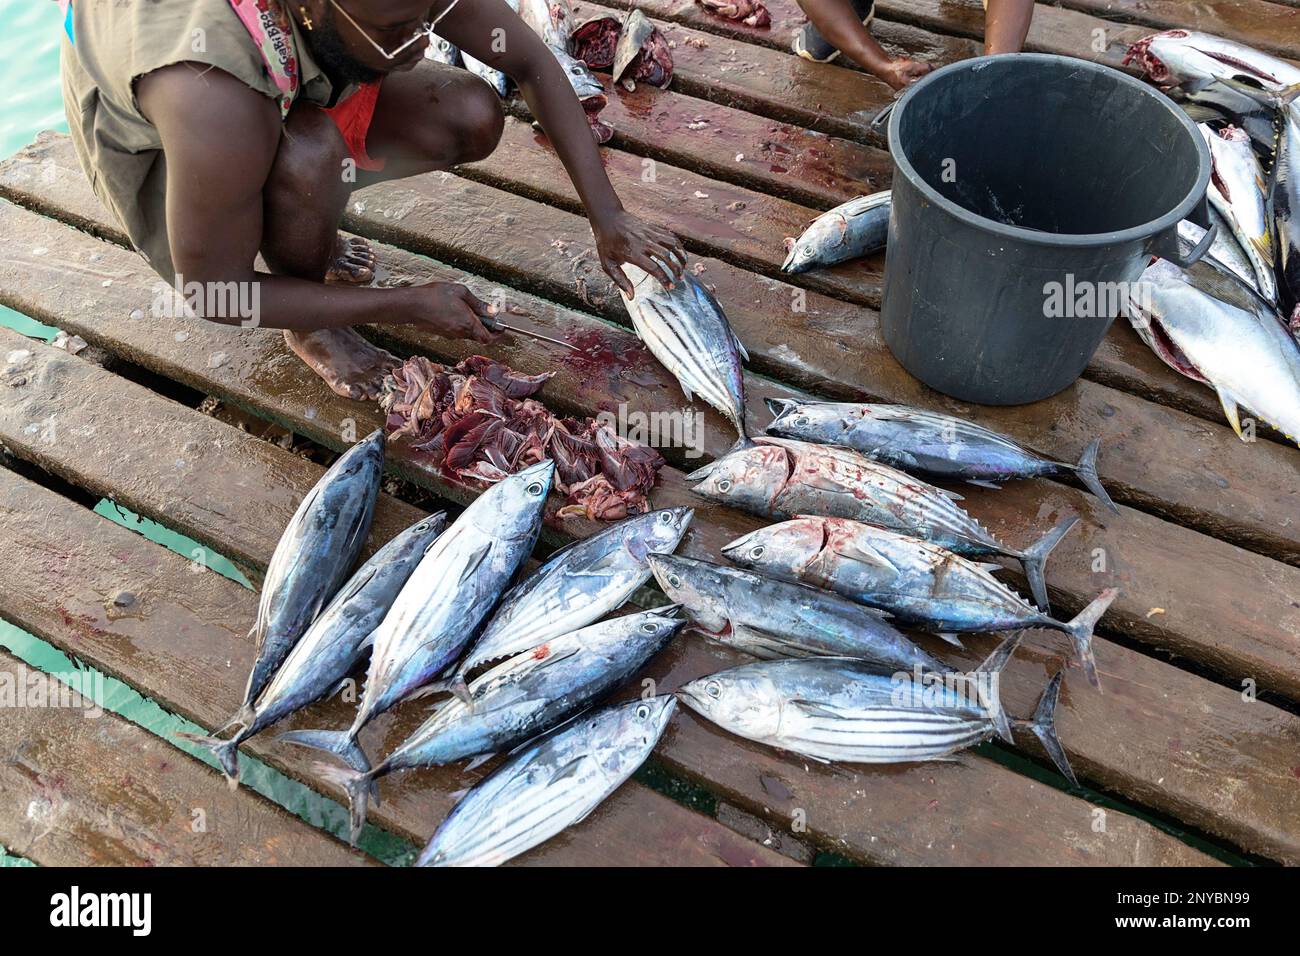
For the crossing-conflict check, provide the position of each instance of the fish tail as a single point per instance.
(1034, 559)
(460, 687)
(743, 442)
(1043, 726)
(1086, 469)
(358, 786)
(226, 752)
(342, 743)
(242, 718)
(988, 691)
(1080, 632)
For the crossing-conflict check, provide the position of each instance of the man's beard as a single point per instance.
(333, 58)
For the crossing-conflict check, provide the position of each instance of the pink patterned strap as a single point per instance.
(269, 26)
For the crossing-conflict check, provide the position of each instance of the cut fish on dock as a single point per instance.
(926, 443)
(455, 586)
(687, 331)
(780, 478)
(549, 785)
(552, 20)
(918, 583)
(1191, 61)
(334, 644)
(1239, 193)
(841, 710)
(1244, 351)
(752, 13)
(631, 49)
(578, 585)
(771, 618)
(314, 556)
(520, 698)
(1225, 253)
(851, 230)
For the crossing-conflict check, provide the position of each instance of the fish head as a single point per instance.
(1152, 307)
(808, 421)
(365, 457)
(801, 253)
(747, 478)
(512, 505)
(743, 699)
(1183, 58)
(423, 533)
(622, 736)
(658, 532)
(782, 549)
(692, 585)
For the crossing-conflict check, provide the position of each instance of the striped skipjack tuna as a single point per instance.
(520, 698)
(549, 785)
(851, 230)
(937, 446)
(918, 583)
(685, 329)
(578, 585)
(837, 709)
(779, 478)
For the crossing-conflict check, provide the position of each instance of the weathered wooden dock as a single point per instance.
(1193, 748)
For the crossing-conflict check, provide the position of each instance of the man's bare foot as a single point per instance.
(348, 363)
(353, 261)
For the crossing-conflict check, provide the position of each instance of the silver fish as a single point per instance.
(851, 230)
(314, 555)
(1239, 193)
(1225, 252)
(927, 443)
(1286, 211)
(457, 583)
(520, 698)
(442, 51)
(839, 709)
(550, 785)
(1192, 61)
(333, 645)
(780, 478)
(578, 585)
(1246, 354)
(686, 330)
(918, 583)
(493, 78)
(770, 618)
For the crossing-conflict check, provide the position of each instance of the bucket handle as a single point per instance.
(1166, 245)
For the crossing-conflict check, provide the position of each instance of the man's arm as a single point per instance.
(220, 139)
(521, 55)
(1006, 24)
(836, 21)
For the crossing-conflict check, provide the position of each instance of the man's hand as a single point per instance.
(448, 309)
(900, 72)
(623, 237)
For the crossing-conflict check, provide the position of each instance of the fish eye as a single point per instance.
(801, 420)
(757, 552)
(713, 689)
(674, 581)
(666, 517)
(649, 628)
(642, 712)
(724, 484)
(534, 488)
(422, 526)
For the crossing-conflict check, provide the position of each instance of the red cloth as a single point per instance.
(352, 116)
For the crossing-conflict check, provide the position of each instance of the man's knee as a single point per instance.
(478, 120)
(310, 160)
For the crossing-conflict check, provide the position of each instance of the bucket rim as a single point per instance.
(1146, 230)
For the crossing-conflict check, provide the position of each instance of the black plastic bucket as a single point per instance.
(1021, 182)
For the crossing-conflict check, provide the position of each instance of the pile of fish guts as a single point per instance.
(523, 661)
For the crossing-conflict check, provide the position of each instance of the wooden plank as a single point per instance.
(83, 790)
(1143, 555)
(981, 825)
(1270, 27)
(184, 644)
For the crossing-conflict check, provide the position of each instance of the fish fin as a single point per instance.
(241, 718)
(865, 556)
(426, 690)
(699, 474)
(1229, 403)
(1034, 559)
(478, 761)
(225, 751)
(1043, 726)
(993, 665)
(779, 406)
(1080, 631)
(949, 638)
(475, 559)
(989, 566)
(1086, 469)
(815, 708)
(740, 347)
(686, 390)
(981, 483)
(341, 743)
(358, 787)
